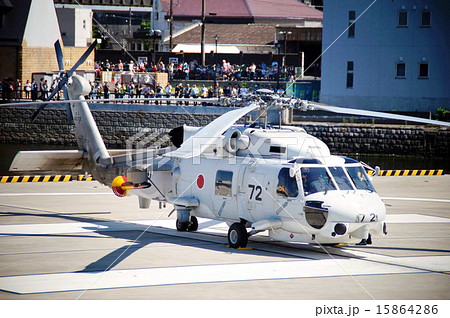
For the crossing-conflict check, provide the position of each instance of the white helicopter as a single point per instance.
(253, 177)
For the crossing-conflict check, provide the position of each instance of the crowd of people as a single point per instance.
(226, 72)
(136, 90)
(193, 71)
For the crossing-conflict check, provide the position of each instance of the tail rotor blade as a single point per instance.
(60, 86)
(82, 58)
(66, 93)
(37, 112)
(53, 93)
(69, 114)
(59, 56)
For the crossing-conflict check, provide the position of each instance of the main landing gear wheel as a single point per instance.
(182, 226)
(193, 225)
(237, 235)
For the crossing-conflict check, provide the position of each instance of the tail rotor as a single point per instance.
(63, 78)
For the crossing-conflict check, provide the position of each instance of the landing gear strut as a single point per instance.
(237, 235)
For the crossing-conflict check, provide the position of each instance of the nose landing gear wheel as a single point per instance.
(237, 235)
(193, 225)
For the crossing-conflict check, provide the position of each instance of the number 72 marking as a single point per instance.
(257, 190)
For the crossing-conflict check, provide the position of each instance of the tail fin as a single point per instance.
(86, 131)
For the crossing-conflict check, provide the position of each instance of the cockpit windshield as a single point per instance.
(341, 178)
(359, 178)
(316, 179)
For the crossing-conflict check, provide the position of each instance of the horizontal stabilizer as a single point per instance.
(188, 202)
(47, 160)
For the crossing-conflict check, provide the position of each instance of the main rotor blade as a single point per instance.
(196, 144)
(369, 113)
(59, 56)
(82, 58)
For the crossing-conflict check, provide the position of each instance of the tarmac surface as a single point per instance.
(76, 240)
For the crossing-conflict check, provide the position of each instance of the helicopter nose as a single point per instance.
(350, 212)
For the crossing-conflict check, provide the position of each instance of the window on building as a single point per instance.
(84, 24)
(423, 70)
(351, 24)
(350, 67)
(425, 21)
(402, 19)
(224, 183)
(400, 70)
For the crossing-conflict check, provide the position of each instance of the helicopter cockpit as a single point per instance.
(317, 177)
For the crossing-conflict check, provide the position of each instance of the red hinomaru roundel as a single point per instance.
(200, 181)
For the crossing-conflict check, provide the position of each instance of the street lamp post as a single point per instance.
(155, 34)
(278, 46)
(216, 38)
(285, 34)
(202, 41)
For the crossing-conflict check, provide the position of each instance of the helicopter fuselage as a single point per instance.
(314, 198)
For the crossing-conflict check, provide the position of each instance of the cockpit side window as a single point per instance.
(341, 178)
(316, 179)
(359, 178)
(287, 186)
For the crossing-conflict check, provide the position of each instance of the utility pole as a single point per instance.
(171, 24)
(202, 50)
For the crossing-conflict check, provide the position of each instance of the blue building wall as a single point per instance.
(379, 43)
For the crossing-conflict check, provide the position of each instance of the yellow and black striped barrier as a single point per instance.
(47, 178)
(82, 177)
(396, 173)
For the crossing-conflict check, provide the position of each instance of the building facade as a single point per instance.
(28, 32)
(116, 22)
(390, 55)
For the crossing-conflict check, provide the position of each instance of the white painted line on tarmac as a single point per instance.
(67, 228)
(52, 194)
(157, 226)
(61, 282)
(415, 218)
(435, 263)
(416, 199)
(86, 227)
